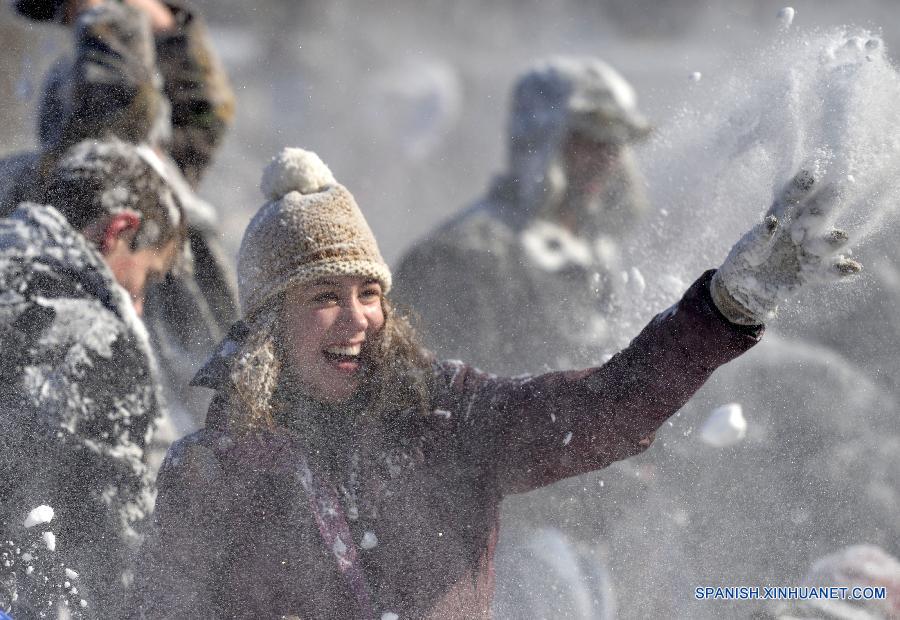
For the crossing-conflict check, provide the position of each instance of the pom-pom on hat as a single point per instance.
(310, 228)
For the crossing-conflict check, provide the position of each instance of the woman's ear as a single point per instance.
(120, 228)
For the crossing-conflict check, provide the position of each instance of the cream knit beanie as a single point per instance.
(311, 228)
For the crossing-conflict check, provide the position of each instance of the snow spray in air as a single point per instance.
(758, 512)
(823, 100)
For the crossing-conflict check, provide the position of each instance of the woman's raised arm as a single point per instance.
(535, 430)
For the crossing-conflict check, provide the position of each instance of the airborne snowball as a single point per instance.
(696, 76)
(49, 540)
(369, 540)
(725, 426)
(786, 17)
(41, 514)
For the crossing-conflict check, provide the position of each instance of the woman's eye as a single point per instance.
(322, 298)
(370, 293)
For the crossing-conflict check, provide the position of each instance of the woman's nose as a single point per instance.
(356, 316)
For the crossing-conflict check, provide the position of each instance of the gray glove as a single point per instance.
(791, 247)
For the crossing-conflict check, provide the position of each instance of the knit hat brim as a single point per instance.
(309, 272)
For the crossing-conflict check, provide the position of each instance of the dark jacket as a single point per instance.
(235, 536)
(79, 399)
(195, 83)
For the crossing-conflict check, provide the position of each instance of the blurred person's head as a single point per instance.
(67, 11)
(95, 96)
(114, 85)
(114, 194)
(572, 120)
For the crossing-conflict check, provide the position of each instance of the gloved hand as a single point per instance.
(789, 248)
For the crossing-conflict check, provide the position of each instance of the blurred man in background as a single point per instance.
(543, 245)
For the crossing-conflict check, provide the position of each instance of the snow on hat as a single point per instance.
(552, 99)
(311, 228)
(575, 93)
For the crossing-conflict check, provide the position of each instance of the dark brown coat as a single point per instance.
(235, 537)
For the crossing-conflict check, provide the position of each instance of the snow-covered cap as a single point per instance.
(554, 98)
(310, 228)
(109, 176)
(580, 94)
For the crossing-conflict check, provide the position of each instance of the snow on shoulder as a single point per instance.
(40, 515)
(295, 170)
(49, 539)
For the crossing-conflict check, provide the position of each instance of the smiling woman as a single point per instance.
(325, 325)
(345, 473)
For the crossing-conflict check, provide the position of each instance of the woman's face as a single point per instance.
(325, 325)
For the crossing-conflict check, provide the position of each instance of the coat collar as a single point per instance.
(215, 373)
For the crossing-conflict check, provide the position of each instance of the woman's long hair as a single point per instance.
(397, 368)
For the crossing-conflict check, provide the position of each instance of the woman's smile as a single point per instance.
(344, 357)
